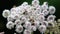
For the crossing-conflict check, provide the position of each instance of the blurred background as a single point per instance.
(8, 4)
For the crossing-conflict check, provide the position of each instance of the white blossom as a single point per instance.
(36, 23)
(19, 28)
(41, 18)
(13, 9)
(35, 3)
(27, 25)
(45, 6)
(51, 18)
(45, 23)
(6, 13)
(18, 22)
(16, 16)
(42, 28)
(27, 31)
(10, 18)
(33, 28)
(45, 12)
(24, 4)
(52, 9)
(10, 25)
(38, 10)
(23, 18)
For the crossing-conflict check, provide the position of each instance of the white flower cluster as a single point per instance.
(32, 17)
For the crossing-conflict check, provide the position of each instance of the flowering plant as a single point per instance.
(25, 15)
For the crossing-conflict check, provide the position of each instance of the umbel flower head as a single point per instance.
(29, 14)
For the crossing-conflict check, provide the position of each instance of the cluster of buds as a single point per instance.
(33, 17)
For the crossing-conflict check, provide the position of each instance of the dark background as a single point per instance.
(8, 4)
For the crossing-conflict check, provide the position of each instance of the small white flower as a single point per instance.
(42, 14)
(27, 25)
(13, 13)
(33, 28)
(36, 23)
(25, 4)
(45, 23)
(14, 9)
(10, 18)
(10, 25)
(42, 28)
(23, 18)
(22, 10)
(45, 12)
(18, 10)
(30, 9)
(41, 18)
(27, 7)
(52, 9)
(38, 10)
(27, 32)
(44, 6)
(18, 22)
(16, 16)
(51, 18)
(35, 3)
(19, 29)
(6, 13)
